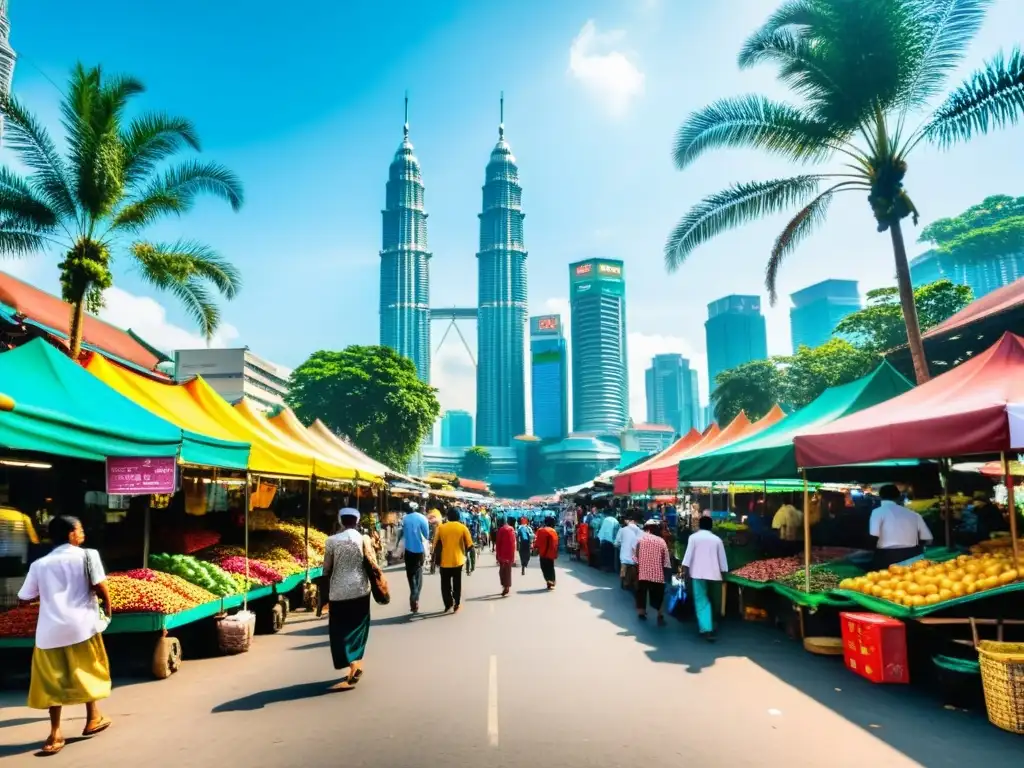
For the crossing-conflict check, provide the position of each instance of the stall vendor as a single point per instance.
(901, 533)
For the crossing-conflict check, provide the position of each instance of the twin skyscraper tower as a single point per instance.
(501, 311)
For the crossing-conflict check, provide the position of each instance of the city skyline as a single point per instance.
(601, 91)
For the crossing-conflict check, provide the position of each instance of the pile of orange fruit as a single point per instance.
(929, 583)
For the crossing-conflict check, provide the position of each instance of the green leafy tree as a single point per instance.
(880, 327)
(371, 395)
(753, 387)
(476, 463)
(860, 73)
(812, 370)
(92, 204)
(993, 210)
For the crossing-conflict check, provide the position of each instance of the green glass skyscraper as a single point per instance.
(817, 310)
(405, 260)
(600, 384)
(735, 334)
(501, 309)
(549, 379)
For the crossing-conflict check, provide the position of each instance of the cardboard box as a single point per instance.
(875, 647)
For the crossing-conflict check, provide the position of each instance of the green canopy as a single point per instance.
(62, 409)
(769, 454)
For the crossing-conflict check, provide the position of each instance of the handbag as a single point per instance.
(378, 584)
(102, 620)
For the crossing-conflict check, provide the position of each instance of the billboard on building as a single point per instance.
(596, 269)
(546, 325)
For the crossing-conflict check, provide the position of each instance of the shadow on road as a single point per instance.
(12, 750)
(261, 699)
(910, 719)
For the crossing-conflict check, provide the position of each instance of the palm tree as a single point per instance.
(861, 71)
(113, 182)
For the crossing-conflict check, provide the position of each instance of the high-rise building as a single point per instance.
(549, 378)
(405, 260)
(501, 309)
(735, 334)
(457, 429)
(982, 273)
(235, 374)
(600, 384)
(818, 309)
(672, 395)
(7, 56)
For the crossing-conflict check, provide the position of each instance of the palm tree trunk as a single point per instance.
(899, 250)
(77, 326)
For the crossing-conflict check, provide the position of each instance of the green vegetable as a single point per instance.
(206, 575)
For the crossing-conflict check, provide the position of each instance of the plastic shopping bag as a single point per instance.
(676, 598)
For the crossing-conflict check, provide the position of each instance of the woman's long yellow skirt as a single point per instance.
(74, 674)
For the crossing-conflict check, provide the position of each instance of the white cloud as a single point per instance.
(452, 371)
(641, 348)
(609, 74)
(148, 319)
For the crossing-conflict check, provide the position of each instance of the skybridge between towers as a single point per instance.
(452, 315)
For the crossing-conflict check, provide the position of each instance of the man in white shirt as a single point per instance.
(705, 563)
(606, 535)
(900, 531)
(625, 540)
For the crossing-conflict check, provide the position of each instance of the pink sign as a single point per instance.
(137, 475)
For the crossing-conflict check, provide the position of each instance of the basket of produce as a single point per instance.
(234, 633)
(1002, 677)
(959, 681)
(824, 646)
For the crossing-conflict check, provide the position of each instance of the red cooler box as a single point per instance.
(875, 647)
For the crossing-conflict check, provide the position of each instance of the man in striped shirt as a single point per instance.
(651, 555)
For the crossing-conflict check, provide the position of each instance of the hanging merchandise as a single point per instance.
(195, 496)
(263, 497)
(160, 500)
(216, 497)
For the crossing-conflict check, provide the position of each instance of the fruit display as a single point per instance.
(128, 595)
(777, 567)
(262, 520)
(822, 580)
(194, 541)
(20, 621)
(928, 583)
(203, 574)
(291, 537)
(279, 559)
(258, 572)
(241, 584)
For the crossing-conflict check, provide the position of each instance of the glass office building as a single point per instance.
(735, 334)
(549, 378)
(600, 384)
(818, 309)
(982, 273)
(672, 394)
(457, 429)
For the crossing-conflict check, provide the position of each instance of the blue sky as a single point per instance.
(304, 101)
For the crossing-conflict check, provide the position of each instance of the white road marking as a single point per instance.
(492, 702)
(491, 608)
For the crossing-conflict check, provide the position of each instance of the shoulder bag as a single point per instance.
(102, 620)
(378, 584)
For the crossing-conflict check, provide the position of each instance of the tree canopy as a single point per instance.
(476, 463)
(878, 327)
(369, 394)
(91, 204)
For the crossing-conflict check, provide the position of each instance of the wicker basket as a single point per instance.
(234, 633)
(1002, 675)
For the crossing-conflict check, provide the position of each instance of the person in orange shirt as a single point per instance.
(547, 550)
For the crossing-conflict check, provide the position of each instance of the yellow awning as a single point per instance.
(323, 466)
(323, 432)
(195, 406)
(287, 422)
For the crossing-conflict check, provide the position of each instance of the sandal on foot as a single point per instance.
(353, 677)
(99, 727)
(52, 747)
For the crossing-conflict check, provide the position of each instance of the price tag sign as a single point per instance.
(139, 475)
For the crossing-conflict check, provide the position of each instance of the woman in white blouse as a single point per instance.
(347, 555)
(69, 663)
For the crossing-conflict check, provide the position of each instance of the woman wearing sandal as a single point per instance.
(69, 663)
(346, 558)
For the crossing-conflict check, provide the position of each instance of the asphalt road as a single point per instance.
(566, 678)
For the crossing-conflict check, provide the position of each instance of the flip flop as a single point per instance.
(354, 677)
(101, 726)
(52, 748)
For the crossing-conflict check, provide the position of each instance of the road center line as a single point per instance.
(492, 702)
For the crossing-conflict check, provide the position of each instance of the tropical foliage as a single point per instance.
(862, 76)
(369, 394)
(92, 204)
(994, 227)
(476, 463)
(880, 326)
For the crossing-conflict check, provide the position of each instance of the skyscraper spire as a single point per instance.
(405, 260)
(501, 310)
(7, 56)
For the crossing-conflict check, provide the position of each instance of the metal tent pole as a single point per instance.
(1008, 477)
(245, 593)
(807, 535)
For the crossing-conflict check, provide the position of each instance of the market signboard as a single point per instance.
(140, 475)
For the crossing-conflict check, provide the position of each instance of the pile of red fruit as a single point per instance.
(19, 622)
(258, 572)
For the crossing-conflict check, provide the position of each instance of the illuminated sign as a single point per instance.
(546, 324)
(583, 287)
(584, 269)
(612, 270)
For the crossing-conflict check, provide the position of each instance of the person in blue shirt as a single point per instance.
(524, 538)
(415, 530)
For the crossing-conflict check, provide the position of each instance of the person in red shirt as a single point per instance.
(547, 550)
(505, 550)
(651, 555)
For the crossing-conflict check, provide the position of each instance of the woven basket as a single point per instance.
(234, 633)
(1002, 675)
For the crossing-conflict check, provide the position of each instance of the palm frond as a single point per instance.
(152, 138)
(739, 204)
(162, 263)
(993, 97)
(16, 242)
(139, 213)
(190, 179)
(752, 122)
(20, 206)
(806, 220)
(200, 305)
(31, 141)
(940, 39)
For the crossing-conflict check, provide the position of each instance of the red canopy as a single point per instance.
(634, 477)
(961, 412)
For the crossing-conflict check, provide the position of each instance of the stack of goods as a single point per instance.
(927, 583)
(149, 595)
(262, 520)
(822, 580)
(234, 633)
(776, 567)
(199, 572)
(19, 622)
